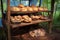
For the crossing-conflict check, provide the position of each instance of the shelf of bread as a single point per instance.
(26, 18)
(37, 34)
(19, 21)
(33, 34)
(21, 9)
(25, 24)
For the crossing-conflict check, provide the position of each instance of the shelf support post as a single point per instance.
(51, 16)
(8, 20)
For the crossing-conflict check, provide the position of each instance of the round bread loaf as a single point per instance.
(24, 9)
(35, 8)
(30, 9)
(40, 9)
(15, 9)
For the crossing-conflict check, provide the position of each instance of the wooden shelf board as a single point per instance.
(17, 12)
(25, 24)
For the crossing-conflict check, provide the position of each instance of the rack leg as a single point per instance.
(8, 33)
(50, 15)
(50, 27)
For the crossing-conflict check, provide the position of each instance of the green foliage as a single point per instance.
(0, 15)
(56, 0)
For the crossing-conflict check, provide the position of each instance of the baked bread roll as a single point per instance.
(20, 18)
(24, 9)
(15, 17)
(41, 32)
(32, 33)
(37, 33)
(41, 9)
(42, 17)
(15, 9)
(30, 9)
(35, 8)
(35, 17)
(27, 18)
(12, 18)
(21, 5)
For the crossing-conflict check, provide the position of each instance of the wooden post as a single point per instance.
(51, 16)
(8, 20)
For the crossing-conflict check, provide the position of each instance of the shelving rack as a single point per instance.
(8, 26)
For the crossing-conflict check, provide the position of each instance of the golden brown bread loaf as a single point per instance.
(17, 19)
(27, 18)
(42, 17)
(35, 17)
(40, 9)
(41, 32)
(12, 18)
(15, 9)
(32, 33)
(38, 32)
(24, 9)
(29, 9)
(20, 18)
(35, 8)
